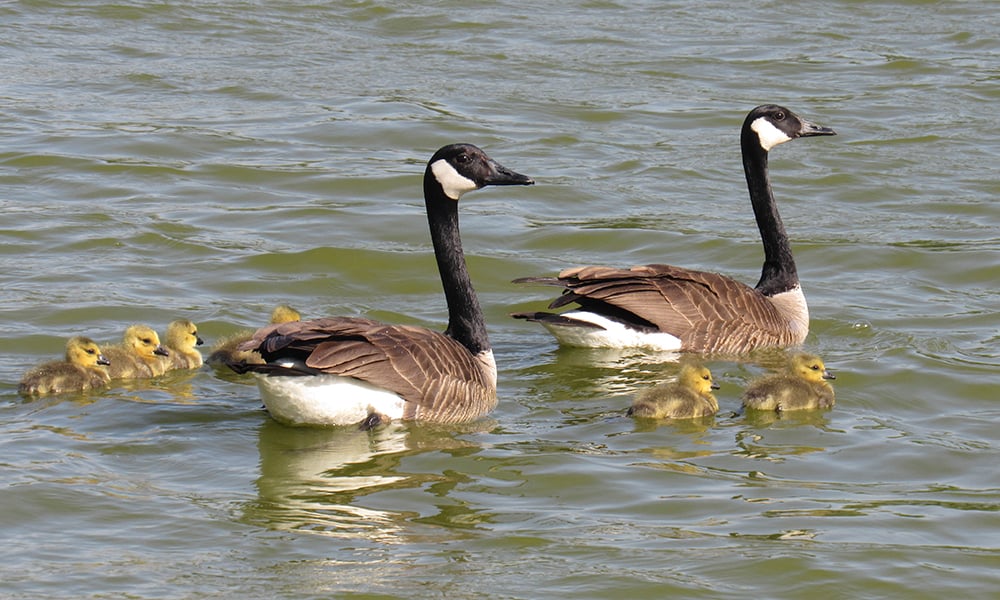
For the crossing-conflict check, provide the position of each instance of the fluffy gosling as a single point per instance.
(687, 398)
(181, 341)
(225, 351)
(802, 386)
(84, 368)
(138, 355)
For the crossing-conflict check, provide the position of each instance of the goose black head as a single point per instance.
(460, 168)
(773, 125)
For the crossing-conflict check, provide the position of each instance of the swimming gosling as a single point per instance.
(224, 351)
(687, 398)
(84, 368)
(802, 386)
(138, 355)
(181, 341)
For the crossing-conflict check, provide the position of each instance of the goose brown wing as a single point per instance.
(438, 377)
(708, 312)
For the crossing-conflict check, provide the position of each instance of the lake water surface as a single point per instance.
(209, 160)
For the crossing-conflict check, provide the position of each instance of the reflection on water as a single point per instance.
(309, 478)
(174, 386)
(695, 428)
(313, 479)
(763, 418)
(754, 445)
(599, 371)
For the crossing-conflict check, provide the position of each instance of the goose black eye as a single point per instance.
(779, 116)
(462, 158)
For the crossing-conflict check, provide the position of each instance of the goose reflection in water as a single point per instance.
(313, 480)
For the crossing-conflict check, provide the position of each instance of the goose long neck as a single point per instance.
(779, 273)
(466, 323)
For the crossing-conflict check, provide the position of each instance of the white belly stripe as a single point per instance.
(613, 334)
(325, 400)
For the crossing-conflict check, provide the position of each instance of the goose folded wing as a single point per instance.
(438, 377)
(695, 306)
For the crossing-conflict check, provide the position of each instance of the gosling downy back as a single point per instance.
(138, 355)
(802, 385)
(687, 398)
(83, 368)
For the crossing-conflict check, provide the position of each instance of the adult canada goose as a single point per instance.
(671, 308)
(687, 398)
(182, 341)
(84, 368)
(802, 386)
(344, 370)
(224, 351)
(138, 355)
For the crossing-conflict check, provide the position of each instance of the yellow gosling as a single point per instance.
(182, 341)
(138, 355)
(284, 314)
(802, 386)
(687, 398)
(225, 352)
(84, 368)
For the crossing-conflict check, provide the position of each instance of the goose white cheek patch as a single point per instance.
(770, 136)
(452, 182)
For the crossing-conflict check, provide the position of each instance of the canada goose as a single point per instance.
(687, 398)
(671, 308)
(801, 386)
(224, 351)
(343, 370)
(182, 341)
(138, 355)
(84, 368)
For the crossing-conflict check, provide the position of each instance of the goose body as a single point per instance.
(345, 370)
(225, 352)
(182, 343)
(687, 398)
(138, 355)
(802, 386)
(663, 307)
(84, 368)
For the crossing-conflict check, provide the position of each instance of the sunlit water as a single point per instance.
(211, 160)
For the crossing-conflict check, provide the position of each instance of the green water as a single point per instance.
(212, 160)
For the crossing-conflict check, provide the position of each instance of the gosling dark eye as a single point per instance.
(89, 351)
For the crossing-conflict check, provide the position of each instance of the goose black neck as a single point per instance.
(466, 323)
(779, 273)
